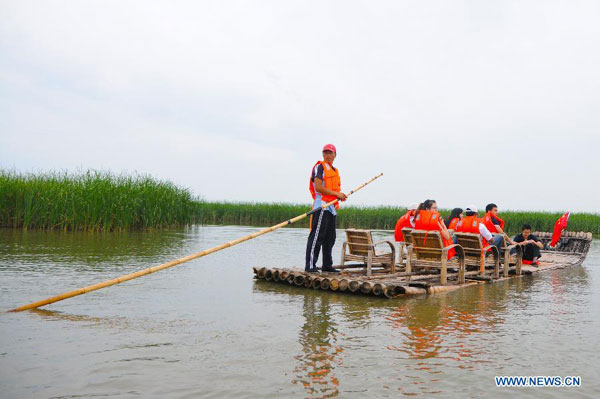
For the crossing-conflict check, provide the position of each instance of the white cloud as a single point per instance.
(463, 102)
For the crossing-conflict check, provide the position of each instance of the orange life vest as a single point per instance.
(403, 222)
(453, 223)
(430, 221)
(469, 224)
(331, 181)
(487, 220)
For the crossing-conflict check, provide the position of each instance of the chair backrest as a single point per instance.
(427, 245)
(359, 241)
(406, 233)
(471, 243)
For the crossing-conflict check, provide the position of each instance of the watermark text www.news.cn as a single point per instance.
(537, 381)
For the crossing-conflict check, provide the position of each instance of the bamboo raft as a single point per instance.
(400, 279)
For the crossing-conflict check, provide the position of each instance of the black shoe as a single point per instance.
(313, 270)
(330, 270)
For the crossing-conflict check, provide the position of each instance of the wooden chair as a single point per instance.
(403, 245)
(361, 248)
(505, 257)
(475, 253)
(427, 251)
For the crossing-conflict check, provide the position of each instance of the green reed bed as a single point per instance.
(92, 201)
(98, 201)
(265, 214)
(379, 217)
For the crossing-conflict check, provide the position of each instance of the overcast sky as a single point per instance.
(459, 101)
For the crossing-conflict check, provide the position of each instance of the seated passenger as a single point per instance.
(455, 216)
(531, 246)
(494, 224)
(406, 220)
(428, 218)
(472, 224)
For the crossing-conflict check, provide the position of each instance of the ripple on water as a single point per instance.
(207, 329)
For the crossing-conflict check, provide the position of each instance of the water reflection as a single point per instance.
(321, 353)
(431, 335)
(108, 323)
(51, 315)
(200, 339)
(422, 320)
(444, 326)
(32, 249)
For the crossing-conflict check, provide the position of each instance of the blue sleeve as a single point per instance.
(317, 172)
(496, 221)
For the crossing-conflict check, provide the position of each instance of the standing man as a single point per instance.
(324, 186)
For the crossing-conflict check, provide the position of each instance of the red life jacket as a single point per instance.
(487, 220)
(430, 221)
(453, 223)
(331, 181)
(403, 222)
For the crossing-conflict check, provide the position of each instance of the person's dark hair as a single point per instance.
(424, 206)
(470, 213)
(526, 227)
(428, 204)
(454, 214)
(491, 206)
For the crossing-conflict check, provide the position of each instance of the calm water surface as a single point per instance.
(207, 329)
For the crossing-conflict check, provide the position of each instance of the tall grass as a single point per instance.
(92, 201)
(99, 201)
(380, 217)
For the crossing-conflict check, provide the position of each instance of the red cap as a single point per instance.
(329, 147)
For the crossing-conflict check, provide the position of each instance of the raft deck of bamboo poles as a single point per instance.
(384, 285)
(572, 252)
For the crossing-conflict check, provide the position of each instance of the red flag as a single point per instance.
(559, 226)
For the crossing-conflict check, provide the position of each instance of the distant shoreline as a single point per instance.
(100, 201)
(376, 217)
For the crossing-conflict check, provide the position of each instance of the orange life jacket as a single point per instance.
(453, 223)
(331, 181)
(430, 221)
(403, 222)
(469, 224)
(487, 220)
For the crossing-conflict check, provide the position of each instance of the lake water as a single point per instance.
(208, 329)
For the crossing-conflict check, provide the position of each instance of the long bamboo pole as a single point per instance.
(140, 273)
